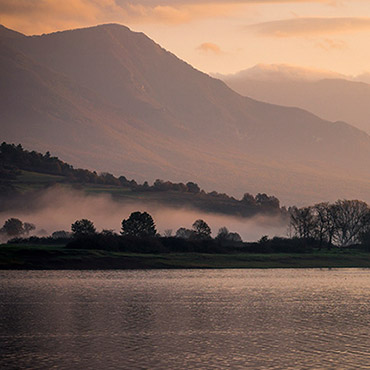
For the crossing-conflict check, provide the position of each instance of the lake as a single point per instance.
(185, 319)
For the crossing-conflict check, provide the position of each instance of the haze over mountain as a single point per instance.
(330, 95)
(108, 98)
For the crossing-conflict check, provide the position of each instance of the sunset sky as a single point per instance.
(221, 36)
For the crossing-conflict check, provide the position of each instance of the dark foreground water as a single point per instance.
(199, 319)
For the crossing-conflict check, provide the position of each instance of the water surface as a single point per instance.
(185, 319)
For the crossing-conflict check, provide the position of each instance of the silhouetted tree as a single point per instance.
(249, 199)
(61, 234)
(139, 224)
(83, 227)
(108, 232)
(28, 227)
(234, 237)
(13, 227)
(202, 230)
(302, 221)
(184, 233)
(193, 187)
(323, 214)
(351, 218)
(222, 234)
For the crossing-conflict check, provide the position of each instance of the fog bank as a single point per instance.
(58, 208)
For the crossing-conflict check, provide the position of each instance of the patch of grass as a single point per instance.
(22, 256)
(35, 177)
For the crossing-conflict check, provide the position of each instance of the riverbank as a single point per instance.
(44, 257)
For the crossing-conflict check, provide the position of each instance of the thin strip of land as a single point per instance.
(57, 257)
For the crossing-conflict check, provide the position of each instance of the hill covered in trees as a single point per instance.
(26, 174)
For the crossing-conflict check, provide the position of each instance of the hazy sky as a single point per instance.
(221, 36)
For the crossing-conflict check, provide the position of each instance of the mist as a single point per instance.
(57, 208)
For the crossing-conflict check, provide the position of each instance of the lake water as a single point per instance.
(185, 319)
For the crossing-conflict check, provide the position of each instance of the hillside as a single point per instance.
(111, 99)
(25, 178)
(330, 97)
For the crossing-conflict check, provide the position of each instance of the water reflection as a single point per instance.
(185, 319)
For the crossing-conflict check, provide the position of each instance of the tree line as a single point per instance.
(343, 223)
(14, 158)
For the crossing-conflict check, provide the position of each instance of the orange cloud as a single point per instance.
(209, 47)
(51, 15)
(310, 26)
(32, 16)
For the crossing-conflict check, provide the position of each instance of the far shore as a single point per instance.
(57, 257)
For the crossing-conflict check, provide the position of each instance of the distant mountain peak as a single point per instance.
(284, 72)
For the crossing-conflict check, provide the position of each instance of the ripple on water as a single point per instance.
(208, 319)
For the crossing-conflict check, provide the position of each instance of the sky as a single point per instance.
(218, 36)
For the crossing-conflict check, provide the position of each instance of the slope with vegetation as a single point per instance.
(26, 174)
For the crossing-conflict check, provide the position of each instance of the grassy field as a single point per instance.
(17, 256)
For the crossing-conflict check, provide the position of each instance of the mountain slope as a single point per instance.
(109, 98)
(332, 98)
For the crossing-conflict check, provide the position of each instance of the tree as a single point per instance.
(108, 232)
(222, 234)
(234, 237)
(139, 224)
(61, 234)
(267, 202)
(83, 227)
(365, 238)
(201, 229)
(193, 187)
(184, 233)
(302, 221)
(351, 219)
(323, 214)
(13, 227)
(28, 227)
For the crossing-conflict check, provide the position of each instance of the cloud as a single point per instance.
(330, 44)
(310, 26)
(35, 16)
(283, 72)
(209, 47)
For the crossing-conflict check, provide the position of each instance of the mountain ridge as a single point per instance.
(340, 98)
(130, 106)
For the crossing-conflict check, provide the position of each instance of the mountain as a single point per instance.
(329, 95)
(281, 72)
(111, 99)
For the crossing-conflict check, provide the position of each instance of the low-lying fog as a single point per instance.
(58, 208)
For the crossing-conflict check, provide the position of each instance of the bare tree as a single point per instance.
(351, 219)
(324, 223)
(302, 221)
